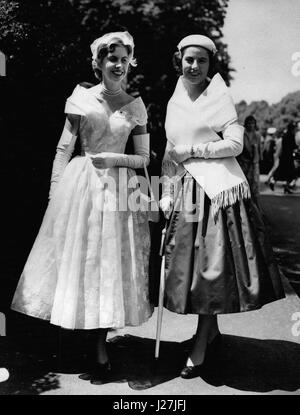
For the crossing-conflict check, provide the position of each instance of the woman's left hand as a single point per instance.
(104, 160)
(181, 152)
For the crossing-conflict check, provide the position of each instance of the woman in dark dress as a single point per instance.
(286, 170)
(218, 256)
(250, 156)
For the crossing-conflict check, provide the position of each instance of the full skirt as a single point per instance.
(218, 267)
(88, 267)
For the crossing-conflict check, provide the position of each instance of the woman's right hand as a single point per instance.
(166, 205)
(105, 160)
(181, 152)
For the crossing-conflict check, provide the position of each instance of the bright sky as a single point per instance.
(262, 36)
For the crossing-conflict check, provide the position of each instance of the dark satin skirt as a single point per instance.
(222, 267)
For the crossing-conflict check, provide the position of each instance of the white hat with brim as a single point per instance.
(198, 40)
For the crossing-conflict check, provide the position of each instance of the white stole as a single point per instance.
(197, 122)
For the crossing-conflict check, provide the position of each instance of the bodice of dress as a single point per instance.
(102, 130)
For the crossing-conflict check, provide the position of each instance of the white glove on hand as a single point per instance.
(166, 205)
(230, 146)
(104, 160)
(133, 161)
(181, 152)
(64, 151)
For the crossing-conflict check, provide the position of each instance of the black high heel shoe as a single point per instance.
(99, 374)
(190, 372)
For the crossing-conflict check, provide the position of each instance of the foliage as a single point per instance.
(276, 115)
(47, 45)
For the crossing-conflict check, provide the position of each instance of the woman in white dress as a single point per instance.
(88, 268)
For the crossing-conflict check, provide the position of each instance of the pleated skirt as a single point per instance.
(217, 267)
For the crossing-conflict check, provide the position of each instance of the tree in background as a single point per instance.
(276, 115)
(47, 43)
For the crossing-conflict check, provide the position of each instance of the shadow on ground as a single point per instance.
(34, 352)
(29, 372)
(255, 365)
(241, 363)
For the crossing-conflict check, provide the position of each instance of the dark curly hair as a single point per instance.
(177, 61)
(103, 52)
(249, 119)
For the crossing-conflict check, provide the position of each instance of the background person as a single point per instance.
(297, 135)
(268, 150)
(284, 167)
(250, 157)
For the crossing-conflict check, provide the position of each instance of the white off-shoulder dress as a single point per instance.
(88, 267)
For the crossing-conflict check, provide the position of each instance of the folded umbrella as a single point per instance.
(161, 292)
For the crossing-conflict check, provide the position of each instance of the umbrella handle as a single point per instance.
(162, 242)
(160, 307)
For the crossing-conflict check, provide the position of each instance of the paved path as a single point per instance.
(283, 214)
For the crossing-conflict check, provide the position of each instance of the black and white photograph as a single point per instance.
(150, 200)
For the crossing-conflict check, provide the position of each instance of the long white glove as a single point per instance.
(64, 151)
(141, 143)
(231, 145)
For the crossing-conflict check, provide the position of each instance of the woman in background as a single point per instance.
(250, 156)
(284, 167)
